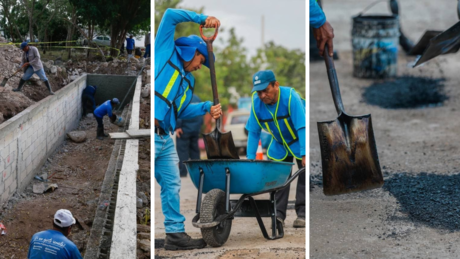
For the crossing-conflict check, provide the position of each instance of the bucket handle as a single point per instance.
(370, 6)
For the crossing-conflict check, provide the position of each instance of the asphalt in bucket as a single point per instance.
(406, 92)
(428, 198)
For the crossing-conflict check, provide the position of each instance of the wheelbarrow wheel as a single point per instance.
(213, 206)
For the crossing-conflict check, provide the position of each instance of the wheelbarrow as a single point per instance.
(219, 178)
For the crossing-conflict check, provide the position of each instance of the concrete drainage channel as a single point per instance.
(98, 245)
(29, 138)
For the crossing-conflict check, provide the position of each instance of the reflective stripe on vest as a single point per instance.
(275, 121)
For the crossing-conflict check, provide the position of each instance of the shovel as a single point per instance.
(348, 151)
(218, 144)
(444, 43)
(7, 78)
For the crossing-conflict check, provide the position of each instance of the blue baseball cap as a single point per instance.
(262, 79)
(115, 100)
(188, 45)
(23, 45)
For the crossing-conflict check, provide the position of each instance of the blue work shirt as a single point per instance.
(192, 125)
(129, 43)
(90, 90)
(297, 114)
(52, 244)
(165, 49)
(317, 17)
(103, 109)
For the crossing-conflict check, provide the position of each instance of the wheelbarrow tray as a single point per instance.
(248, 176)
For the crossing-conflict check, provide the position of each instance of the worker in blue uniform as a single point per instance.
(174, 85)
(87, 99)
(280, 111)
(322, 29)
(104, 109)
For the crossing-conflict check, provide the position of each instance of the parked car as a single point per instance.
(102, 40)
(236, 122)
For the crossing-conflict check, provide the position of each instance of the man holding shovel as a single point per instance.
(322, 29)
(280, 111)
(32, 65)
(174, 84)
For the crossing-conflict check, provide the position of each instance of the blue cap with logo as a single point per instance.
(23, 45)
(188, 45)
(262, 79)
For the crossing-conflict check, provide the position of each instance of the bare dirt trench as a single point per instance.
(78, 169)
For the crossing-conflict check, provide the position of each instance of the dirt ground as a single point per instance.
(245, 240)
(412, 216)
(143, 179)
(78, 169)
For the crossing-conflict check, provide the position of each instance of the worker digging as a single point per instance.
(174, 85)
(32, 64)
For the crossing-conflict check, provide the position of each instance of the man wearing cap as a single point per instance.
(280, 111)
(174, 85)
(102, 110)
(53, 243)
(130, 45)
(32, 65)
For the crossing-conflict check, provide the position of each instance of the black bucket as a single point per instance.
(375, 40)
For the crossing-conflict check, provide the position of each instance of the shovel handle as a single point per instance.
(333, 81)
(210, 39)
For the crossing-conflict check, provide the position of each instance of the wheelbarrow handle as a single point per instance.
(333, 81)
(208, 39)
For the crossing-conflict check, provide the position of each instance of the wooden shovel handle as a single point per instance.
(333, 81)
(212, 69)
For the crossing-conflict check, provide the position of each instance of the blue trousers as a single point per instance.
(147, 51)
(30, 71)
(167, 176)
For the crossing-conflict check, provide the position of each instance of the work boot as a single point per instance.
(182, 241)
(299, 222)
(21, 84)
(103, 134)
(47, 83)
(99, 133)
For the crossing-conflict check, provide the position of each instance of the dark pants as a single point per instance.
(88, 103)
(282, 196)
(147, 51)
(187, 148)
(130, 51)
(100, 123)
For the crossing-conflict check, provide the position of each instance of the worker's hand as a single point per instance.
(179, 132)
(303, 161)
(25, 65)
(216, 111)
(323, 36)
(211, 22)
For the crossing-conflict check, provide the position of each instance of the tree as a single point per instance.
(10, 9)
(32, 14)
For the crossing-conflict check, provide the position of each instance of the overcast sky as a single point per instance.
(284, 20)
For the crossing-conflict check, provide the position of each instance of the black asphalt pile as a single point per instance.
(430, 199)
(406, 92)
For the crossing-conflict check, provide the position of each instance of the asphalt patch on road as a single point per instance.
(406, 92)
(431, 199)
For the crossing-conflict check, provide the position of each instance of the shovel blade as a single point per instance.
(349, 155)
(4, 82)
(423, 43)
(220, 145)
(444, 43)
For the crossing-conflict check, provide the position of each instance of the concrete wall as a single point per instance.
(113, 86)
(27, 139)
